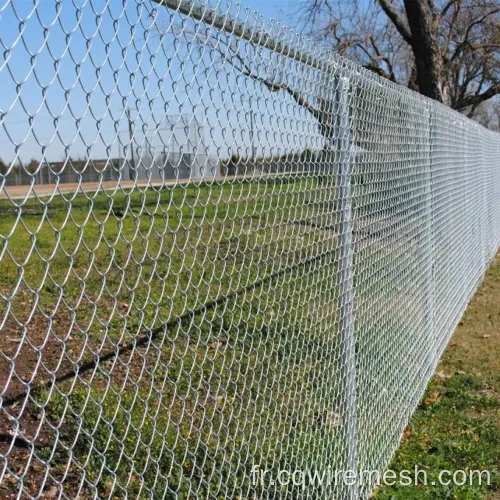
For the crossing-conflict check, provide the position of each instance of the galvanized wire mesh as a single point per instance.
(222, 247)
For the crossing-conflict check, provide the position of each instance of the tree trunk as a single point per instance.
(425, 46)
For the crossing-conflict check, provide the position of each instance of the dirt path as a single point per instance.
(41, 190)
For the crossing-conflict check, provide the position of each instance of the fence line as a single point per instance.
(273, 296)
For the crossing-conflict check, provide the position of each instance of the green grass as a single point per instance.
(165, 252)
(216, 388)
(204, 416)
(457, 425)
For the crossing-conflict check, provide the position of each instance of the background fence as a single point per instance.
(284, 310)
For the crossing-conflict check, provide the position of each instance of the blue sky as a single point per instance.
(69, 71)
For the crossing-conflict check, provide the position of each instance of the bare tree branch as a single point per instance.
(465, 40)
(485, 46)
(390, 75)
(396, 19)
(475, 100)
(448, 6)
(229, 53)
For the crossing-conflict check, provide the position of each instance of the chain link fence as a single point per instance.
(278, 302)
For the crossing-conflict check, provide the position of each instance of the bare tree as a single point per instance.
(448, 50)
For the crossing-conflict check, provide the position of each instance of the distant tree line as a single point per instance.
(238, 165)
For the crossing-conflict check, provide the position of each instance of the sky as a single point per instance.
(70, 70)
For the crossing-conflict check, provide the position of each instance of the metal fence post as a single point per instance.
(485, 253)
(346, 289)
(429, 254)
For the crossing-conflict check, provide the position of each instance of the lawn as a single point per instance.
(170, 338)
(457, 425)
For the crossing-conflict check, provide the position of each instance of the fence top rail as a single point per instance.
(224, 21)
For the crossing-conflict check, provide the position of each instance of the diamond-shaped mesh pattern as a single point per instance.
(221, 247)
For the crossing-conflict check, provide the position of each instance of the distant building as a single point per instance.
(174, 166)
